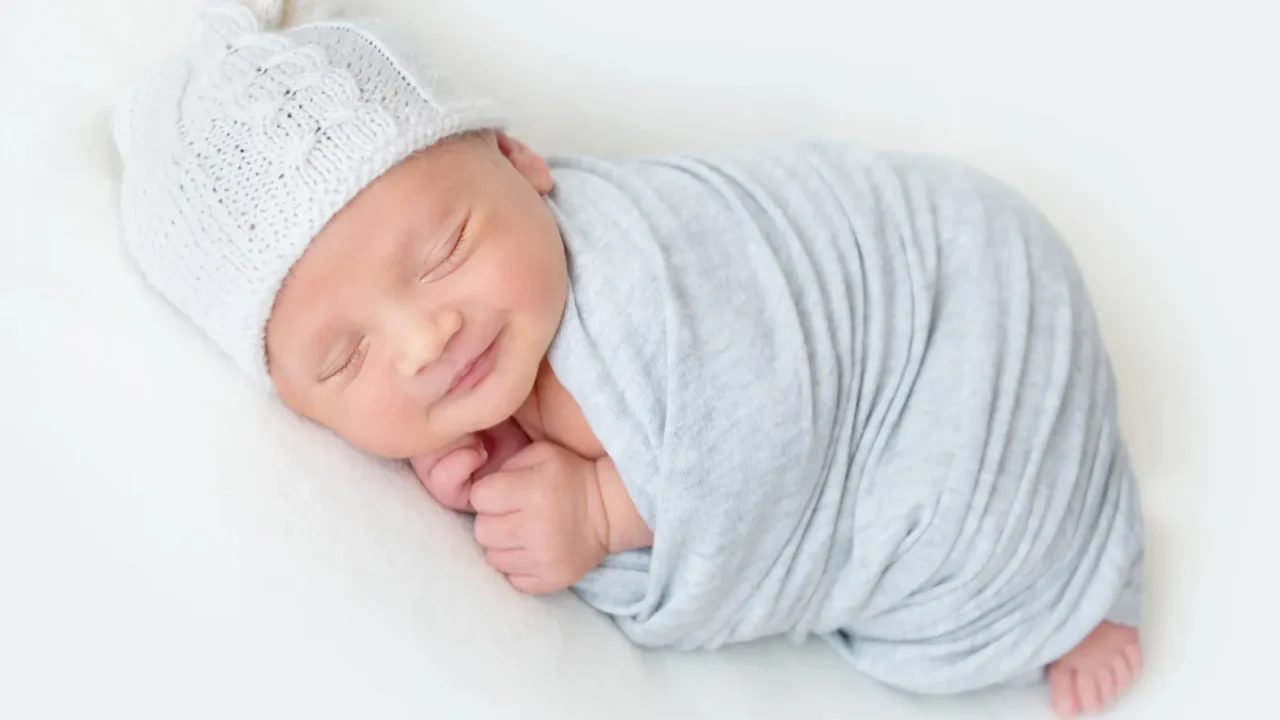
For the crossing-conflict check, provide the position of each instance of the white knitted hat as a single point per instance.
(239, 150)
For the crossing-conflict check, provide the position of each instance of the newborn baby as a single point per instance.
(812, 390)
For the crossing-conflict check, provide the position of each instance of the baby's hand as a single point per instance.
(541, 518)
(449, 473)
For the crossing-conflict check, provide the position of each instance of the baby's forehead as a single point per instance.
(388, 227)
(425, 187)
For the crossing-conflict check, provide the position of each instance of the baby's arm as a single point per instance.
(626, 529)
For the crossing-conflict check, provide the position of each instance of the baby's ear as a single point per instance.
(527, 162)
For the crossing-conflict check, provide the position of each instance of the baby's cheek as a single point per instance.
(378, 420)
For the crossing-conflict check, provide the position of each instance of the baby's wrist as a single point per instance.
(623, 528)
(598, 513)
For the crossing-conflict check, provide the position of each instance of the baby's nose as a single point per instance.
(422, 341)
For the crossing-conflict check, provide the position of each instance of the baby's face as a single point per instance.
(424, 308)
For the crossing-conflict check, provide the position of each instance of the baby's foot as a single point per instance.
(1095, 672)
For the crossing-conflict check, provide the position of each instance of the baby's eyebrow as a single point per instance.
(317, 343)
(432, 229)
(412, 239)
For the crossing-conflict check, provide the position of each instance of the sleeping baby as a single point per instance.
(810, 390)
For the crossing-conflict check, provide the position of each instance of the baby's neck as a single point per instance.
(551, 414)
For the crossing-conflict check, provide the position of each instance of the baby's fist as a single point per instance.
(541, 518)
(448, 473)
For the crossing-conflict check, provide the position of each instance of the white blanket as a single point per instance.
(173, 545)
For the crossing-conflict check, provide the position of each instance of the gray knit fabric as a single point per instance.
(856, 395)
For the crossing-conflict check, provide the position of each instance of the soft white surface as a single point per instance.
(172, 545)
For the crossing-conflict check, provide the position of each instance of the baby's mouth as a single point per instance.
(474, 372)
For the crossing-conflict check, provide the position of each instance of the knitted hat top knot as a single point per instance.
(239, 150)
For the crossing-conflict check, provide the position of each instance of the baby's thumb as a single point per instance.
(447, 478)
(532, 584)
(530, 456)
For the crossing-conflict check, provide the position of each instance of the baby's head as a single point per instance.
(346, 224)
(423, 309)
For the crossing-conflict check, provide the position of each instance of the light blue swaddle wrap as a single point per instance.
(858, 395)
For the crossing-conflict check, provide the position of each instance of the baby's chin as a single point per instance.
(496, 404)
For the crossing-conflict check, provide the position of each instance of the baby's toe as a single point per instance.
(1087, 690)
(1062, 691)
(1122, 672)
(1133, 654)
(1106, 684)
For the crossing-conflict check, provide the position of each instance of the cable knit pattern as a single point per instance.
(239, 150)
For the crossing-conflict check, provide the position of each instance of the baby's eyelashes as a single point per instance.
(342, 359)
(446, 257)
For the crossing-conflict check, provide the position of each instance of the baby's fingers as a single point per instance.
(501, 493)
(508, 562)
(448, 479)
(532, 584)
(422, 464)
(497, 532)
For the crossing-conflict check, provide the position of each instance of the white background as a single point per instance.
(173, 545)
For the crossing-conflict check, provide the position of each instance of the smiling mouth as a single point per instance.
(474, 372)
